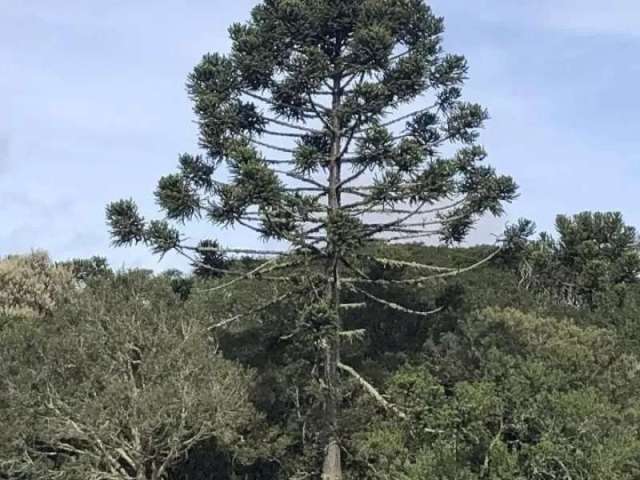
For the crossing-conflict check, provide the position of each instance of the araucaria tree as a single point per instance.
(331, 125)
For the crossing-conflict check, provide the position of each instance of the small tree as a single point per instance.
(595, 253)
(87, 269)
(301, 114)
(31, 285)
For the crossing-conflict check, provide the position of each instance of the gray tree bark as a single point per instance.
(332, 467)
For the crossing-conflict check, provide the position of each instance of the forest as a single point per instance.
(531, 370)
(363, 339)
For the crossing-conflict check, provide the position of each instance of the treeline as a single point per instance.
(530, 369)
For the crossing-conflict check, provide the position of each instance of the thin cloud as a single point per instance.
(591, 17)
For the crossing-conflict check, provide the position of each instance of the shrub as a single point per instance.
(123, 382)
(31, 285)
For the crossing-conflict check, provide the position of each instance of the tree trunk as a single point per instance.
(332, 467)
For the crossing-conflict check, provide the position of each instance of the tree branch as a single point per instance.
(268, 145)
(292, 126)
(395, 306)
(281, 134)
(258, 309)
(389, 262)
(415, 281)
(373, 392)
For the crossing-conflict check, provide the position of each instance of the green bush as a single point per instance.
(122, 382)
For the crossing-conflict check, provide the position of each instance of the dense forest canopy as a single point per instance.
(366, 344)
(507, 381)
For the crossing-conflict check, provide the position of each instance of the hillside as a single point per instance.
(501, 383)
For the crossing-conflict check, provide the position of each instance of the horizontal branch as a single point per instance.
(389, 262)
(224, 271)
(292, 126)
(405, 238)
(301, 178)
(279, 162)
(253, 228)
(262, 269)
(241, 251)
(352, 306)
(281, 134)
(259, 309)
(373, 207)
(425, 223)
(425, 148)
(396, 306)
(305, 112)
(353, 335)
(399, 221)
(408, 116)
(268, 145)
(415, 281)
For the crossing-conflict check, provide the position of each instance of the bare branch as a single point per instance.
(242, 251)
(389, 225)
(372, 208)
(353, 306)
(373, 392)
(273, 103)
(268, 145)
(418, 236)
(395, 306)
(399, 56)
(353, 335)
(301, 178)
(279, 162)
(389, 262)
(292, 126)
(418, 280)
(259, 309)
(264, 268)
(352, 178)
(406, 227)
(400, 119)
(281, 134)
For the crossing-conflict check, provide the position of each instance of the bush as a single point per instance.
(511, 395)
(31, 285)
(122, 382)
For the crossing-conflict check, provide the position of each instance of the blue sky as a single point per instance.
(93, 108)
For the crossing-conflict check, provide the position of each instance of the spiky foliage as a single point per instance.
(336, 123)
(595, 253)
(209, 262)
(87, 269)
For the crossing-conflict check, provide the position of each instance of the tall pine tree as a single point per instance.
(331, 125)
